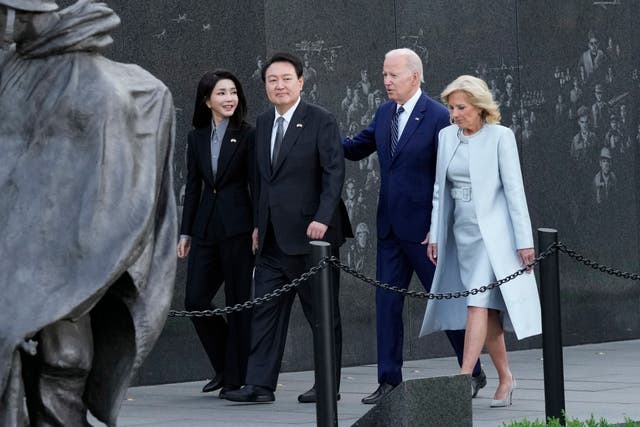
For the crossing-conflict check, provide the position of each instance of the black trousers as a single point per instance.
(270, 320)
(211, 263)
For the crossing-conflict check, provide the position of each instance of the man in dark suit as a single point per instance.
(299, 177)
(404, 132)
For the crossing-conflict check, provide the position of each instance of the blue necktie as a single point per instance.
(394, 130)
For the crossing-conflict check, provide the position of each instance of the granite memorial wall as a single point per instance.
(565, 73)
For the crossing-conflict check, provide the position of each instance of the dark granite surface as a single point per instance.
(534, 48)
(430, 402)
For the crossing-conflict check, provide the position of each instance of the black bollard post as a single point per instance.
(323, 339)
(551, 328)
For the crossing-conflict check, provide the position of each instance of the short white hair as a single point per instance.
(414, 63)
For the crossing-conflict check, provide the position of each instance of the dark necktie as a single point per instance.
(278, 141)
(394, 130)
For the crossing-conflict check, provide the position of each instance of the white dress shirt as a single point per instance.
(287, 118)
(403, 118)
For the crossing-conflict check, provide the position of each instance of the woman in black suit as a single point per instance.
(217, 223)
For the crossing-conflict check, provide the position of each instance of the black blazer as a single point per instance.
(228, 197)
(306, 182)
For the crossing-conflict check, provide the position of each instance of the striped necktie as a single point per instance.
(394, 130)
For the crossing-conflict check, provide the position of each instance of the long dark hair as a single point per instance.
(202, 113)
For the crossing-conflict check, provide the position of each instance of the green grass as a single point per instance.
(554, 422)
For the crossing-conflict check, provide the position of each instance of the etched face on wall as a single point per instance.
(613, 123)
(350, 190)
(605, 165)
(593, 45)
(362, 235)
(623, 112)
(583, 123)
(598, 95)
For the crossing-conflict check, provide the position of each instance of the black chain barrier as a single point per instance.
(336, 263)
(257, 301)
(448, 295)
(561, 247)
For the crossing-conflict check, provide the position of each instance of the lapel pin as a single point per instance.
(234, 140)
(299, 125)
(417, 119)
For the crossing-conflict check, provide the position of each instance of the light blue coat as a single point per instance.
(503, 219)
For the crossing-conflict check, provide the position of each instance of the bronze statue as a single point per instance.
(87, 215)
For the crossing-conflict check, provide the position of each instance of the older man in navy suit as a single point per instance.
(404, 132)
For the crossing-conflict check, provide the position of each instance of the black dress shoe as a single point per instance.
(309, 396)
(478, 382)
(224, 390)
(379, 394)
(250, 393)
(214, 384)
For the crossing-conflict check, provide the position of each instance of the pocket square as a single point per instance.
(234, 140)
(299, 125)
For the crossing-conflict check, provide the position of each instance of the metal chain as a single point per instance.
(448, 295)
(257, 301)
(335, 262)
(596, 265)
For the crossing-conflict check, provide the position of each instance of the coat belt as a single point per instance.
(461, 193)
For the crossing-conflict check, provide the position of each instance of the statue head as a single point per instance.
(31, 5)
(10, 27)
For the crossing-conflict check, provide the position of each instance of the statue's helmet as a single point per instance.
(31, 5)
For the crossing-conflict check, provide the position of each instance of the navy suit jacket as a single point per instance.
(406, 184)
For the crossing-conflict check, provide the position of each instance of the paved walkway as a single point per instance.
(600, 379)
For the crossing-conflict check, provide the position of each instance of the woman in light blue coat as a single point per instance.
(480, 231)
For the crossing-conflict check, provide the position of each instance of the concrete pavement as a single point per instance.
(600, 379)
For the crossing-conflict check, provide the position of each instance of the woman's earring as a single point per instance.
(451, 120)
